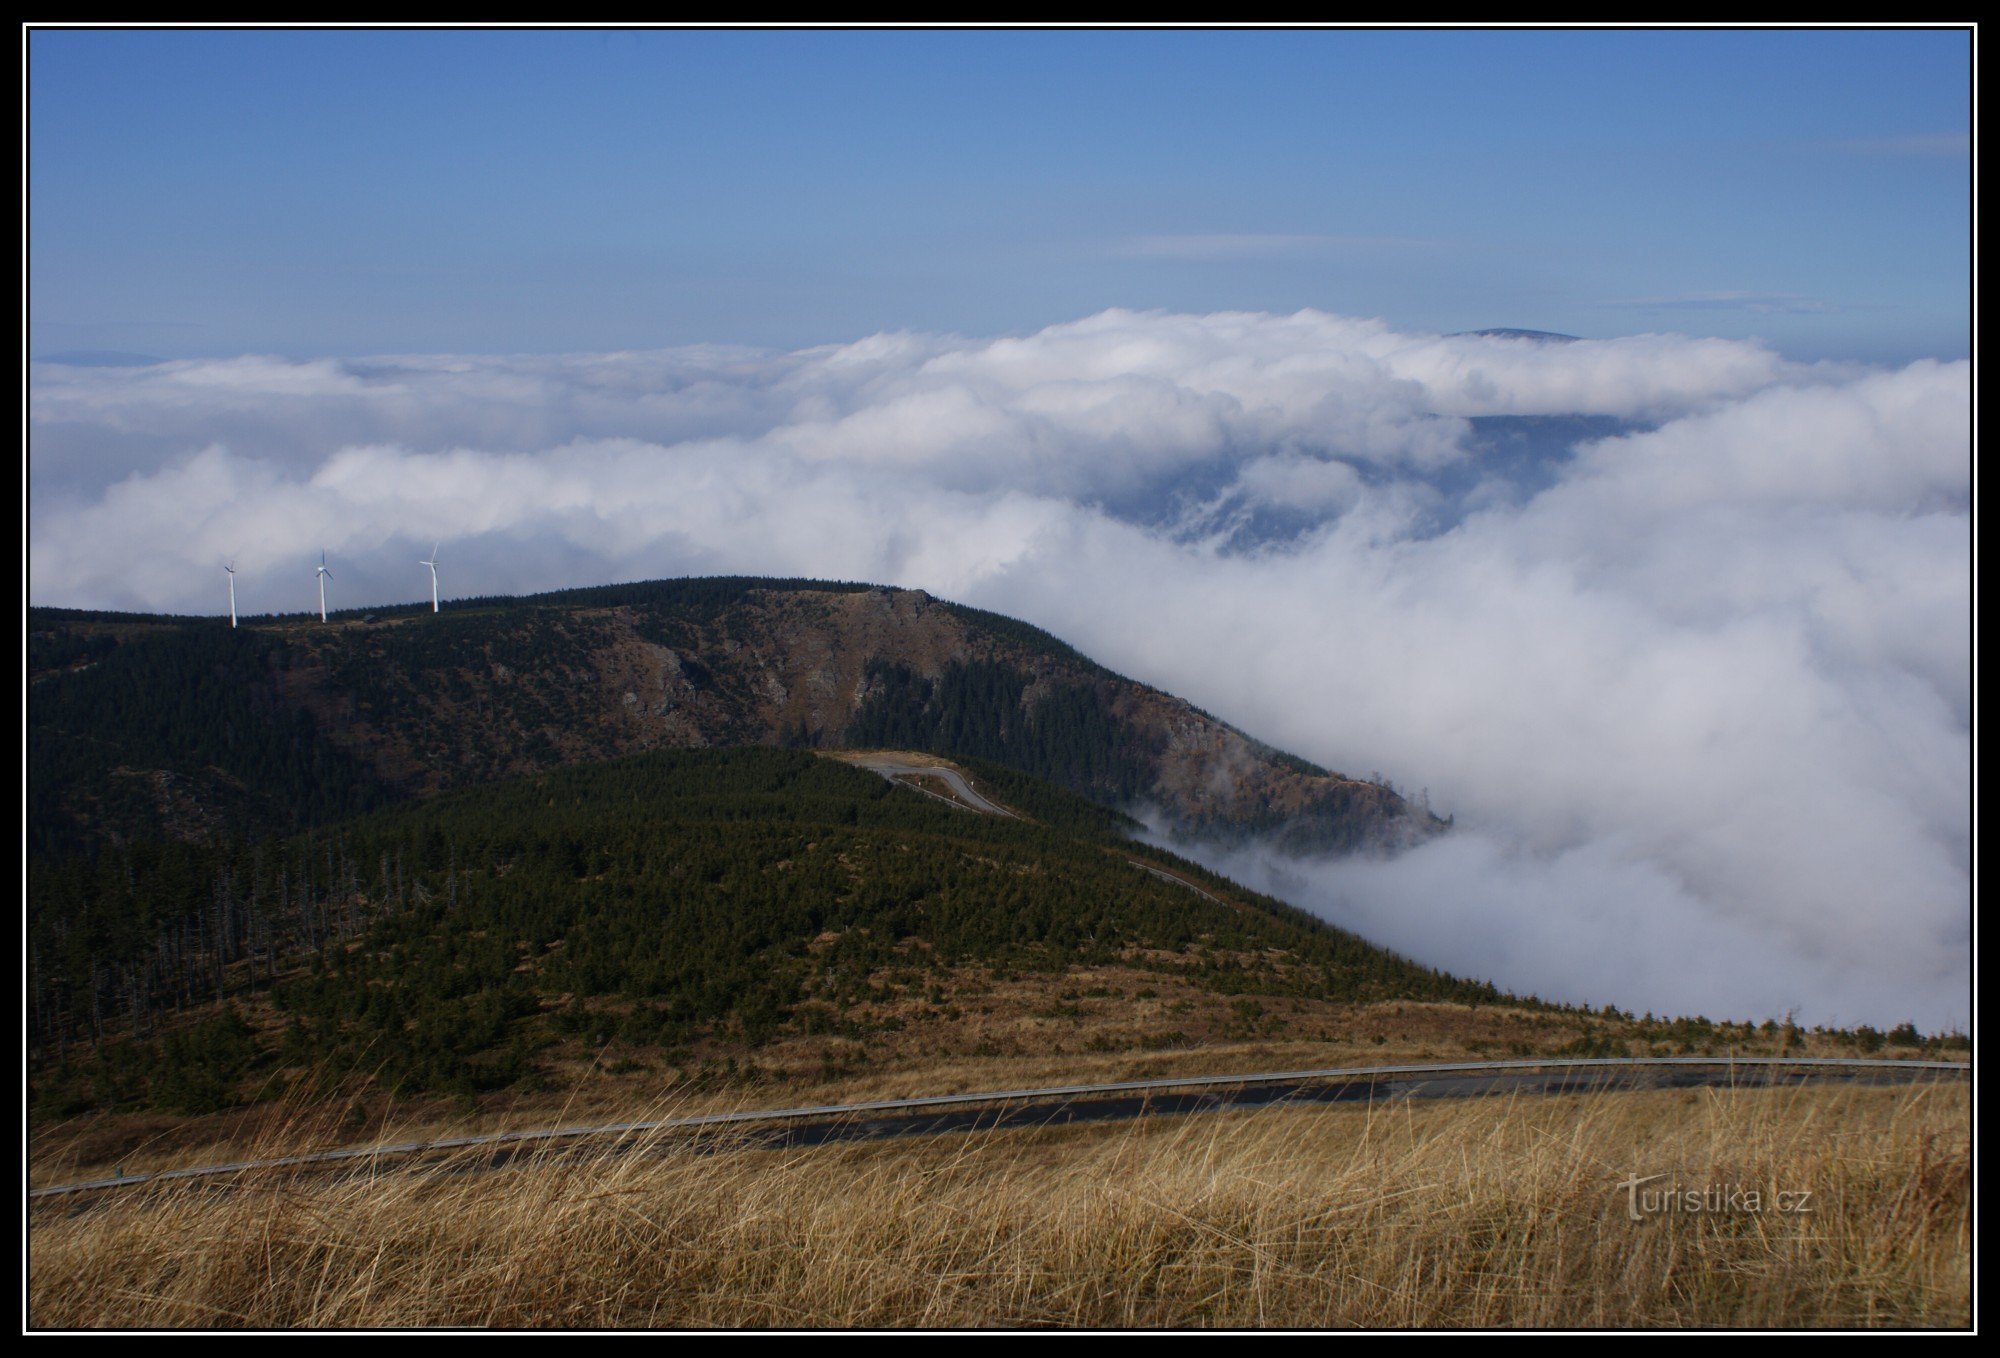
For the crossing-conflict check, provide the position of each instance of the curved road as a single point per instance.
(1061, 1104)
(897, 771)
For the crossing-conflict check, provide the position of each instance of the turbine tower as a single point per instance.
(323, 572)
(433, 564)
(231, 569)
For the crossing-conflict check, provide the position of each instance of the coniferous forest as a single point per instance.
(186, 728)
(743, 893)
(413, 849)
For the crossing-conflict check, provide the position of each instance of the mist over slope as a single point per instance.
(1696, 682)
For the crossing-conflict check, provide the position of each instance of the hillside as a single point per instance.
(701, 904)
(147, 727)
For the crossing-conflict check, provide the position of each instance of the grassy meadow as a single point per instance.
(1484, 1212)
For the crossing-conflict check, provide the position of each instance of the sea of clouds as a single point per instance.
(1678, 630)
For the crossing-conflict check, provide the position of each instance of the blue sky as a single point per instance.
(305, 193)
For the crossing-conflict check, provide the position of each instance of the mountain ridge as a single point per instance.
(141, 726)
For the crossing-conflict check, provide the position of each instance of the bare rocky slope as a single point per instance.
(142, 726)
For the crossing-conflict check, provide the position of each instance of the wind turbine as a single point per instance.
(231, 569)
(433, 564)
(322, 573)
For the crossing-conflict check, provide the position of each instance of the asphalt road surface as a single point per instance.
(899, 771)
(1073, 1104)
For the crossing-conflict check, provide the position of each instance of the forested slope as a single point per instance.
(739, 895)
(142, 728)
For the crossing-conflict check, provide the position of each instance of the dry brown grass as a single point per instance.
(1082, 1026)
(1476, 1213)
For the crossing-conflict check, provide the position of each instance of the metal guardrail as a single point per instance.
(699, 1120)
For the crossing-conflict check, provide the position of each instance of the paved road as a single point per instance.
(899, 771)
(1066, 1104)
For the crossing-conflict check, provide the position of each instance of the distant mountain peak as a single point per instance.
(1510, 332)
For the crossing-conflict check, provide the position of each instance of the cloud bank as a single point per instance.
(1679, 630)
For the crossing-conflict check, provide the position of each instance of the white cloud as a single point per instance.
(1701, 693)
